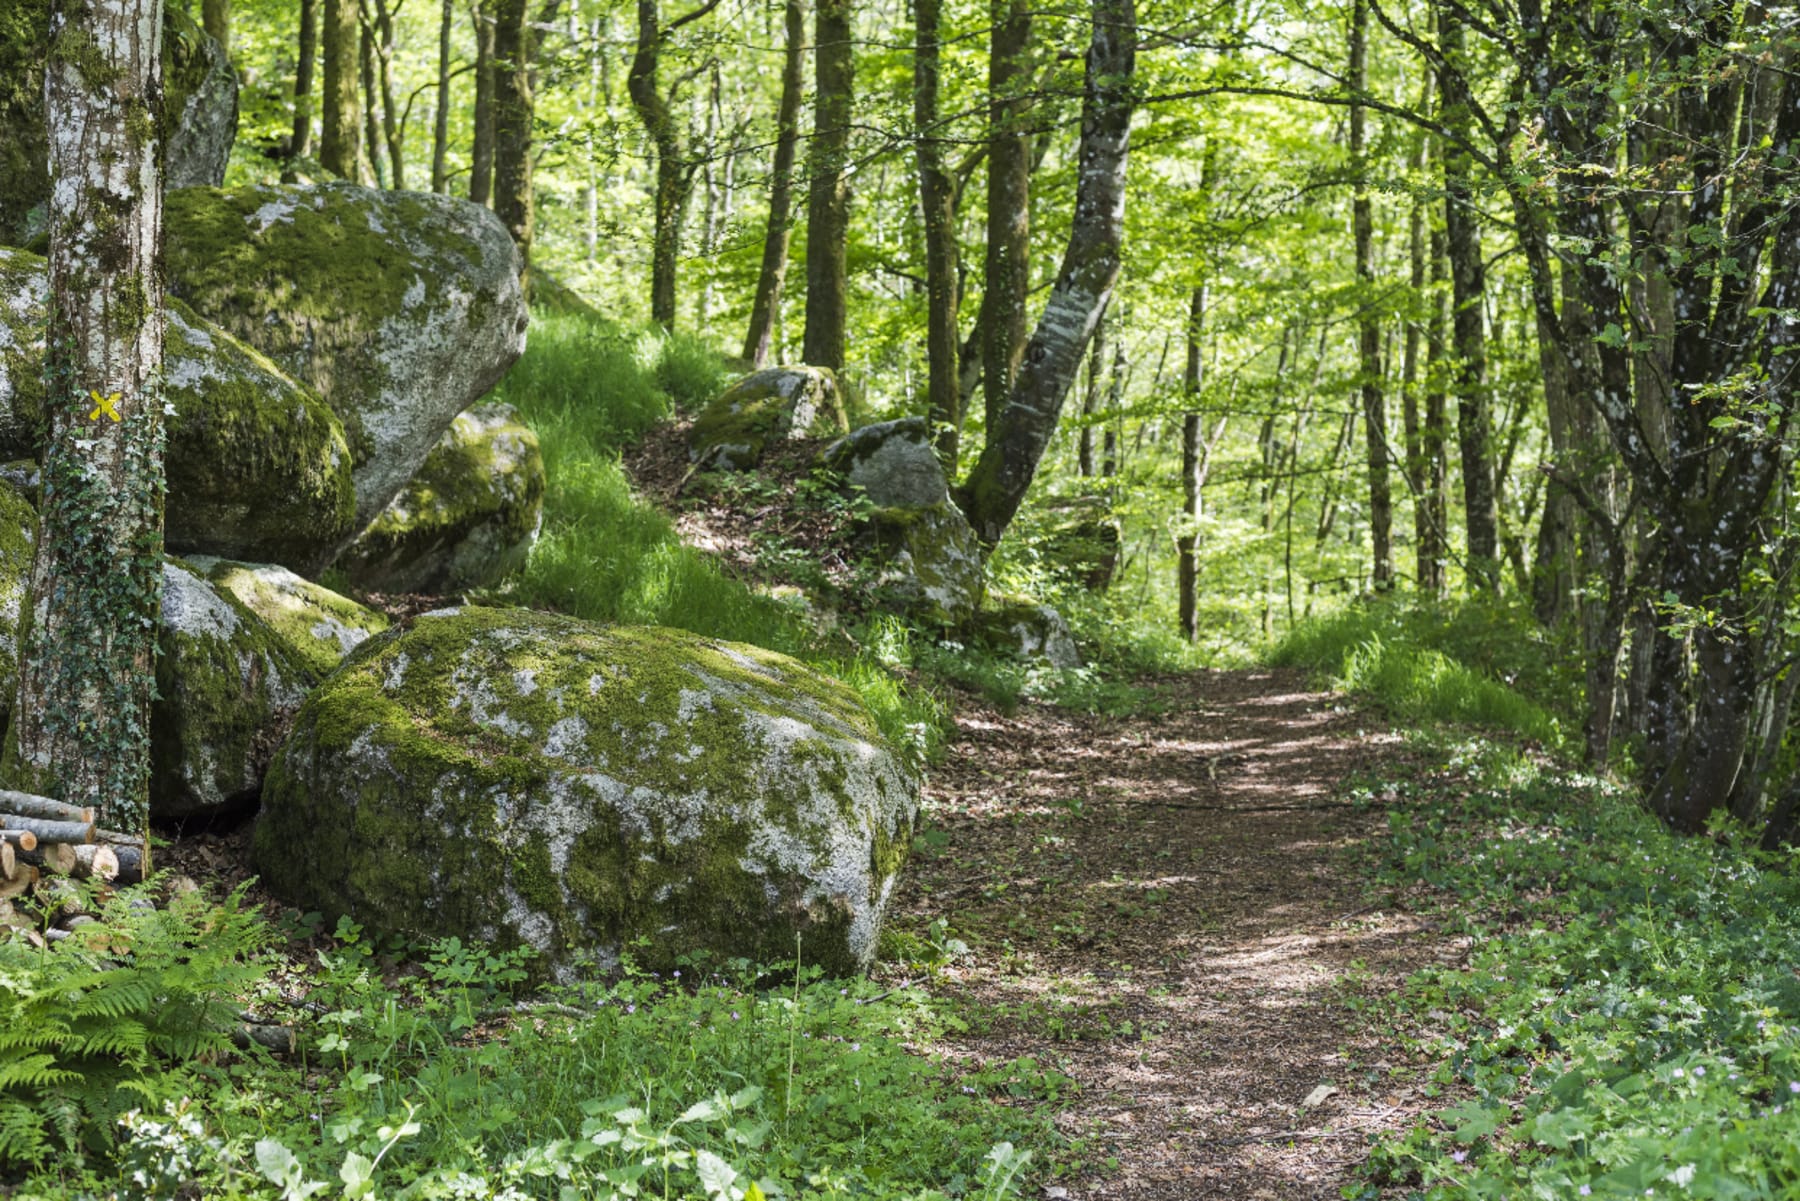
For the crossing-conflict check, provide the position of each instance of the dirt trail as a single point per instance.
(1163, 910)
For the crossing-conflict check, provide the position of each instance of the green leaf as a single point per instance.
(358, 1175)
(715, 1174)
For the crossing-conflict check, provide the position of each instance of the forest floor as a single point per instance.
(1167, 912)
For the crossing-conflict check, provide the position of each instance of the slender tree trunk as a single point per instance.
(1015, 443)
(391, 132)
(512, 127)
(828, 200)
(300, 145)
(773, 276)
(1374, 401)
(215, 18)
(1186, 545)
(89, 643)
(340, 133)
(440, 127)
(674, 175)
(1468, 274)
(481, 150)
(709, 212)
(937, 197)
(1435, 434)
(1085, 462)
(1006, 276)
(1115, 403)
(370, 169)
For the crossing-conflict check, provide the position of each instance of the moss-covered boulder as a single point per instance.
(316, 625)
(400, 309)
(227, 687)
(468, 517)
(258, 467)
(18, 527)
(927, 561)
(200, 110)
(763, 407)
(524, 778)
(1026, 630)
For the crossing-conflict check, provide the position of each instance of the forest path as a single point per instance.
(1161, 907)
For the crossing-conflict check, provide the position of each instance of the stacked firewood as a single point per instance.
(46, 844)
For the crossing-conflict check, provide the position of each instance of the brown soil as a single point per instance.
(1163, 908)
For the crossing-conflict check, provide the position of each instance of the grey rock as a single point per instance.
(766, 406)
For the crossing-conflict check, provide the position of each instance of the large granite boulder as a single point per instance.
(315, 625)
(257, 465)
(467, 519)
(516, 777)
(227, 687)
(199, 122)
(766, 406)
(927, 560)
(18, 528)
(400, 309)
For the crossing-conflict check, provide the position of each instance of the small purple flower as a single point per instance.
(1679, 1073)
(1586, 1190)
(1699, 1072)
(1459, 1156)
(856, 1046)
(676, 973)
(1794, 1086)
(632, 1008)
(734, 1015)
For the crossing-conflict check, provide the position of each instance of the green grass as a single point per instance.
(1627, 1023)
(1471, 665)
(588, 389)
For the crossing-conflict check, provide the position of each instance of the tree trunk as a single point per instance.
(1006, 276)
(300, 145)
(86, 672)
(391, 132)
(1015, 443)
(370, 169)
(1187, 544)
(773, 275)
(828, 200)
(674, 175)
(512, 127)
(1468, 275)
(1368, 322)
(440, 127)
(215, 18)
(340, 124)
(1434, 440)
(937, 198)
(1085, 463)
(481, 150)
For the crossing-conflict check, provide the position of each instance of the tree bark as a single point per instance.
(215, 18)
(772, 277)
(1086, 465)
(674, 175)
(937, 197)
(300, 145)
(481, 149)
(1368, 323)
(1187, 544)
(1468, 275)
(391, 133)
(513, 112)
(370, 169)
(828, 200)
(1006, 274)
(440, 126)
(1015, 443)
(89, 643)
(340, 132)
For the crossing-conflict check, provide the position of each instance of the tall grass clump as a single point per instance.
(1479, 665)
(587, 389)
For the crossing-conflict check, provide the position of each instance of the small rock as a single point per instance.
(1319, 1096)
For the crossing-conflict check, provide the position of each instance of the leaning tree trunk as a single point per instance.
(828, 201)
(937, 198)
(87, 668)
(1090, 267)
(674, 177)
(512, 127)
(300, 145)
(773, 276)
(481, 148)
(1368, 322)
(1006, 276)
(340, 121)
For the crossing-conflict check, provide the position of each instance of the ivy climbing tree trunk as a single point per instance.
(772, 277)
(513, 113)
(87, 669)
(828, 201)
(1015, 442)
(340, 121)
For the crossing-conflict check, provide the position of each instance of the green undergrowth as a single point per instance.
(1473, 664)
(588, 388)
(1627, 1020)
(718, 1081)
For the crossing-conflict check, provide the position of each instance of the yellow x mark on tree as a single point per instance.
(104, 404)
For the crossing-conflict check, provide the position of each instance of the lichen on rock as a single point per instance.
(763, 407)
(400, 309)
(466, 519)
(226, 688)
(1026, 630)
(525, 778)
(316, 625)
(18, 530)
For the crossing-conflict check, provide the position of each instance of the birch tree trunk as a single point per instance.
(772, 277)
(828, 200)
(87, 668)
(1015, 443)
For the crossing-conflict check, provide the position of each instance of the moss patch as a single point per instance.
(18, 528)
(317, 626)
(779, 402)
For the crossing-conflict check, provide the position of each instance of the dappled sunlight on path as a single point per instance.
(1167, 914)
